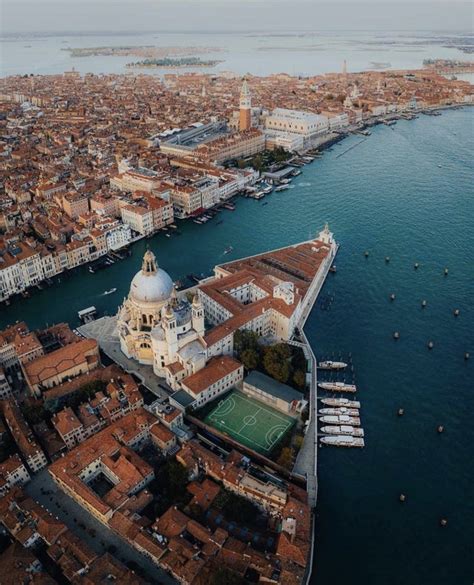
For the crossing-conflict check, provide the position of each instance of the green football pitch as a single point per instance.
(250, 422)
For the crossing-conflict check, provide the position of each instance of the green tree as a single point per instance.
(276, 361)
(250, 359)
(279, 371)
(299, 378)
(298, 441)
(286, 458)
(245, 340)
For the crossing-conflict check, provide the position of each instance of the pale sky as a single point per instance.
(233, 15)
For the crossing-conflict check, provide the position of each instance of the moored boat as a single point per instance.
(343, 430)
(342, 419)
(338, 411)
(343, 441)
(341, 402)
(329, 365)
(337, 386)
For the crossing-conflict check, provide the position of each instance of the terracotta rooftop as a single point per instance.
(216, 369)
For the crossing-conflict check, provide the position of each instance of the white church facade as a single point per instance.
(265, 294)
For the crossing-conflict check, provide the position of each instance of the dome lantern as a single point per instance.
(149, 264)
(151, 284)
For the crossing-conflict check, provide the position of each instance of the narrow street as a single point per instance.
(98, 537)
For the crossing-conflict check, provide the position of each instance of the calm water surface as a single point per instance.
(262, 53)
(388, 195)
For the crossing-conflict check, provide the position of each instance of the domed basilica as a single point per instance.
(158, 328)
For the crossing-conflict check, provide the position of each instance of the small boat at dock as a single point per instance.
(282, 188)
(343, 430)
(343, 441)
(329, 365)
(337, 386)
(336, 402)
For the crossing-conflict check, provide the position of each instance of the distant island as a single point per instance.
(147, 52)
(172, 63)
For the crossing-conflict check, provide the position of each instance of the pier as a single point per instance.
(307, 460)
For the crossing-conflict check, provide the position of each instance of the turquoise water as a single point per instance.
(388, 196)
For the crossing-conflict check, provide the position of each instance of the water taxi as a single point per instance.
(282, 188)
(337, 386)
(343, 441)
(341, 402)
(110, 291)
(228, 250)
(343, 430)
(329, 365)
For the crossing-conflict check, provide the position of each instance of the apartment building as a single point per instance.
(29, 449)
(12, 472)
(218, 376)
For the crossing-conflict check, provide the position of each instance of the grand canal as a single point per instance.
(406, 193)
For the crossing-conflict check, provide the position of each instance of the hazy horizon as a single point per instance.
(220, 16)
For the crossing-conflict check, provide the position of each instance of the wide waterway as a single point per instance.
(406, 193)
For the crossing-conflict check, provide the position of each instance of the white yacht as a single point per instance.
(340, 402)
(329, 365)
(342, 419)
(338, 411)
(343, 430)
(343, 441)
(337, 386)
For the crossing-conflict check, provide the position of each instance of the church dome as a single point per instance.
(151, 284)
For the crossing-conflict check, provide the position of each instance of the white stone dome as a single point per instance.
(151, 284)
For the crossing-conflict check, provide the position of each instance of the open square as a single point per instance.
(250, 422)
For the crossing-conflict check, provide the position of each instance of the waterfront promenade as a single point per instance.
(307, 460)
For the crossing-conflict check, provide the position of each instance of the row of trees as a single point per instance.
(282, 362)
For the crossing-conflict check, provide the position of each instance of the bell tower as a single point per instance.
(198, 316)
(171, 332)
(245, 119)
(325, 235)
